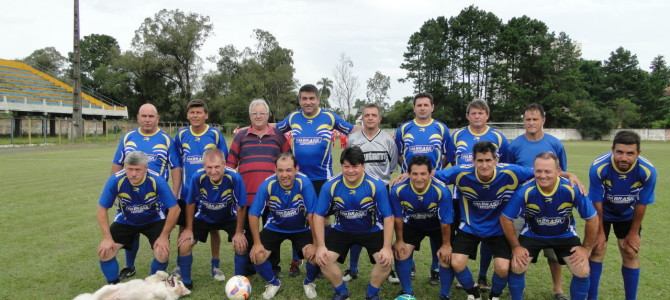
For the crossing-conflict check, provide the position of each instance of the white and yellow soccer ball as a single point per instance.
(238, 288)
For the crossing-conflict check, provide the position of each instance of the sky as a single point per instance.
(373, 33)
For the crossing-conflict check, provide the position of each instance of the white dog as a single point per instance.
(159, 286)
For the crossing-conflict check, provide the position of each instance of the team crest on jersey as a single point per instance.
(422, 129)
(352, 192)
(136, 189)
(310, 121)
(622, 176)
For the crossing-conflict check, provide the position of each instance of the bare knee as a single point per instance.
(501, 267)
(581, 272)
(459, 262)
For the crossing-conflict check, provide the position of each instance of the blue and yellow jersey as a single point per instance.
(137, 204)
(432, 140)
(480, 202)
(620, 191)
(360, 208)
(465, 140)
(312, 140)
(523, 152)
(422, 210)
(190, 148)
(287, 208)
(158, 147)
(549, 215)
(217, 203)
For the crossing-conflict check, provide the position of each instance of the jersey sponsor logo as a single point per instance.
(423, 216)
(550, 221)
(287, 213)
(375, 157)
(137, 209)
(487, 204)
(353, 214)
(307, 141)
(214, 205)
(193, 159)
(420, 149)
(622, 199)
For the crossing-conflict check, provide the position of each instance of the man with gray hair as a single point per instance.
(142, 197)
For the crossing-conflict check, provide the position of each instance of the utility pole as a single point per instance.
(77, 121)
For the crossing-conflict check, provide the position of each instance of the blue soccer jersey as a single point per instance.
(287, 208)
(158, 147)
(358, 209)
(137, 204)
(620, 191)
(481, 203)
(464, 142)
(549, 215)
(311, 140)
(431, 140)
(217, 203)
(425, 210)
(523, 152)
(190, 148)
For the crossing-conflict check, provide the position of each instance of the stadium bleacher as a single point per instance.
(26, 89)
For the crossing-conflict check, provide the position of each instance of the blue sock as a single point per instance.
(485, 258)
(579, 288)
(631, 278)
(517, 282)
(157, 266)
(434, 246)
(446, 277)
(131, 253)
(403, 269)
(110, 269)
(311, 272)
(265, 270)
(215, 262)
(497, 285)
(354, 255)
(241, 262)
(372, 291)
(594, 278)
(342, 289)
(465, 278)
(185, 263)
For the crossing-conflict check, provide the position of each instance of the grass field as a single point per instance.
(49, 233)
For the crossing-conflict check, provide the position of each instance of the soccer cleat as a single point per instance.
(340, 297)
(560, 296)
(270, 291)
(434, 277)
(218, 274)
(176, 271)
(127, 272)
(393, 278)
(483, 284)
(294, 270)
(310, 290)
(495, 298)
(348, 275)
(189, 286)
(472, 297)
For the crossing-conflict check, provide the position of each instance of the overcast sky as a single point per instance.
(373, 33)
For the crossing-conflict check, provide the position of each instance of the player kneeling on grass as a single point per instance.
(288, 198)
(360, 205)
(216, 201)
(422, 207)
(546, 203)
(141, 195)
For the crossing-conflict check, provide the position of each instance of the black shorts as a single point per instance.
(414, 236)
(317, 184)
(621, 229)
(465, 243)
(201, 230)
(126, 234)
(272, 240)
(562, 247)
(340, 242)
(181, 220)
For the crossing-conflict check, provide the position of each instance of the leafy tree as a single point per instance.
(325, 91)
(593, 121)
(377, 89)
(398, 112)
(626, 113)
(47, 59)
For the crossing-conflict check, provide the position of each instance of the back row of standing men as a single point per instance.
(363, 214)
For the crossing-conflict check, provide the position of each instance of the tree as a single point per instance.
(325, 91)
(593, 121)
(378, 88)
(47, 59)
(175, 37)
(346, 84)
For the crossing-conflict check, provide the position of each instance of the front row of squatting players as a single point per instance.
(367, 213)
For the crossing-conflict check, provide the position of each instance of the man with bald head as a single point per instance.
(162, 158)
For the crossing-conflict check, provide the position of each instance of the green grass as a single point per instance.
(49, 233)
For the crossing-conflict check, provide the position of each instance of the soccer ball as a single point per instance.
(405, 297)
(238, 288)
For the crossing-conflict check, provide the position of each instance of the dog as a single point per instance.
(159, 286)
